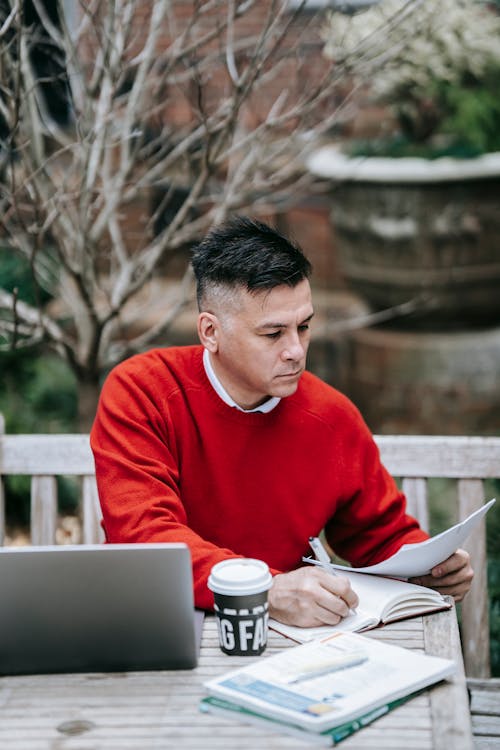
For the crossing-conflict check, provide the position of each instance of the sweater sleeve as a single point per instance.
(372, 523)
(138, 478)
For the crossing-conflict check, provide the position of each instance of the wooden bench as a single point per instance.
(414, 459)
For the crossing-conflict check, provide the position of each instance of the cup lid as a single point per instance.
(240, 576)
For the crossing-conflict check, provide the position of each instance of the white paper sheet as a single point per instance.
(419, 559)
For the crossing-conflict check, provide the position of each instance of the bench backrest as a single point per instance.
(414, 459)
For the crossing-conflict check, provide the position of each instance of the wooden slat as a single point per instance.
(486, 743)
(491, 686)
(91, 512)
(488, 726)
(433, 456)
(450, 710)
(403, 455)
(415, 490)
(43, 510)
(485, 710)
(42, 454)
(475, 616)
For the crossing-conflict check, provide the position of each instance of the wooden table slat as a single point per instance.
(149, 710)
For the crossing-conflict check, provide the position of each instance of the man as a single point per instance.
(233, 448)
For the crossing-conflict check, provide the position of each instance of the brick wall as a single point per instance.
(301, 66)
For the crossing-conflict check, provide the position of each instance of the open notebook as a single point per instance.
(381, 599)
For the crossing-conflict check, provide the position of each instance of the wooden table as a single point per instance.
(143, 710)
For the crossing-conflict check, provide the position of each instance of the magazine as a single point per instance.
(327, 738)
(330, 681)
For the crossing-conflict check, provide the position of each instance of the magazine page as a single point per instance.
(320, 684)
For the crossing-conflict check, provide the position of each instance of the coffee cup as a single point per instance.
(240, 587)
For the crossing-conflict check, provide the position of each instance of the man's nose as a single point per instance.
(294, 349)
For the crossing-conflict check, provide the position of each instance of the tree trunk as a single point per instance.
(88, 396)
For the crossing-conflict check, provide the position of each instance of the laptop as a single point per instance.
(87, 608)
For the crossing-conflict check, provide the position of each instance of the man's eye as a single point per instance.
(304, 327)
(274, 335)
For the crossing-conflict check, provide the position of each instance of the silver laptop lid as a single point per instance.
(81, 608)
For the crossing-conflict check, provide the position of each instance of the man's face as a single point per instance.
(259, 346)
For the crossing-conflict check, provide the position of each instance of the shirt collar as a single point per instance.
(266, 407)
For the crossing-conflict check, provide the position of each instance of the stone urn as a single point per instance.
(418, 228)
(408, 381)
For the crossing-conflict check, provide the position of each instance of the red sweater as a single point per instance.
(175, 463)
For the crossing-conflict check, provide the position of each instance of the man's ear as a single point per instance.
(208, 331)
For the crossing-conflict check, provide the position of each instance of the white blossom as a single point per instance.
(417, 43)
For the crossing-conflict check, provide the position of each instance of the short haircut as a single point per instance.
(246, 253)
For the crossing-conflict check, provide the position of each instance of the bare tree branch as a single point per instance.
(31, 319)
(179, 112)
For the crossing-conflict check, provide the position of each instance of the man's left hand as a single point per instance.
(452, 577)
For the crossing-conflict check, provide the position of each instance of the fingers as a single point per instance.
(457, 591)
(452, 577)
(310, 597)
(330, 607)
(456, 562)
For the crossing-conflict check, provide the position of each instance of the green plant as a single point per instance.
(493, 553)
(473, 113)
(435, 64)
(442, 506)
(37, 394)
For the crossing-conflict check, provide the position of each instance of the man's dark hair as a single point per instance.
(247, 253)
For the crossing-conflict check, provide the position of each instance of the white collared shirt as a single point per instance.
(266, 407)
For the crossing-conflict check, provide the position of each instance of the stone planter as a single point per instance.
(404, 227)
(427, 383)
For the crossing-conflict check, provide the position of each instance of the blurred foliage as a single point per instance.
(493, 550)
(443, 513)
(17, 275)
(469, 126)
(399, 146)
(467, 113)
(439, 78)
(473, 115)
(37, 394)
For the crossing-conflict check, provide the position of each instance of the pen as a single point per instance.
(323, 559)
(341, 662)
(318, 549)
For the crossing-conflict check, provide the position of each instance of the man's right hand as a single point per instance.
(309, 597)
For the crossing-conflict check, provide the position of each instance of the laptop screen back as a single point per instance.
(97, 608)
